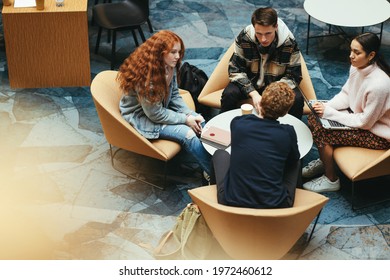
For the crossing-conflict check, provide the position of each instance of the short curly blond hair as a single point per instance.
(276, 100)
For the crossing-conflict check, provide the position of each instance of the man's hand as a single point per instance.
(256, 99)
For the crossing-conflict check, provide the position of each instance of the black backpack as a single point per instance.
(193, 79)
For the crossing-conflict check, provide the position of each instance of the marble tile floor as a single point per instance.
(60, 198)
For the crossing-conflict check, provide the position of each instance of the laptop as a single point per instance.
(328, 124)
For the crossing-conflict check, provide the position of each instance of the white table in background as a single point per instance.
(346, 13)
(305, 139)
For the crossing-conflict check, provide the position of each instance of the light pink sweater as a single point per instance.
(367, 93)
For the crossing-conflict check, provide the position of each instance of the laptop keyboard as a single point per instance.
(335, 124)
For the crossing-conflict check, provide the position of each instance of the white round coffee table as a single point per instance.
(346, 13)
(305, 139)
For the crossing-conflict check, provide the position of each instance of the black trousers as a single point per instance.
(221, 165)
(232, 95)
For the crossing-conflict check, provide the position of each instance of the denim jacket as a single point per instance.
(147, 118)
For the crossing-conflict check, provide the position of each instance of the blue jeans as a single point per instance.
(190, 143)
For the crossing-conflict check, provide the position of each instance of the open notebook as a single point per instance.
(328, 124)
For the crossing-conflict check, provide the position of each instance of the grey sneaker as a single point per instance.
(322, 184)
(313, 169)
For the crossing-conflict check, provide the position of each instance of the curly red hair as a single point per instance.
(144, 70)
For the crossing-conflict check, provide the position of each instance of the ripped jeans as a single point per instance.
(190, 143)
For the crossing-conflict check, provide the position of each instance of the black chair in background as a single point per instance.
(144, 4)
(119, 16)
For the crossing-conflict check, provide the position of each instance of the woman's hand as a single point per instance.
(319, 107)
(195, 122)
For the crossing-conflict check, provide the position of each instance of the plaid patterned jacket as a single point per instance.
(252, 71)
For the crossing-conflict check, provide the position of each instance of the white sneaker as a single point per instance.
(313, 169)
(322, 184)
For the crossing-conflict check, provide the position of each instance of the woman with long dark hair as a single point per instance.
(367, 94)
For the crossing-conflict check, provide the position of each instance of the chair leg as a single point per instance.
(113, 49)
(135, 37)
(141, 33)
(112, 155)
(353, 196)
(314, 226)
(150, 26)
(98, 40)
(108, 36)
(165, 174)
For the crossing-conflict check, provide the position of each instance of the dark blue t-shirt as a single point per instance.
(260, 150)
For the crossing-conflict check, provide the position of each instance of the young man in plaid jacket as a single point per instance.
(265, 52)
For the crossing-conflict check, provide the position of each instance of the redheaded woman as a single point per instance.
(151, 101)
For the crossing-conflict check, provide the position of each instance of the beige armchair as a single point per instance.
(119, 133)
(219, 79)
(246, 233)
(360, 163)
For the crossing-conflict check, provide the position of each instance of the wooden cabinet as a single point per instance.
(47, 48)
